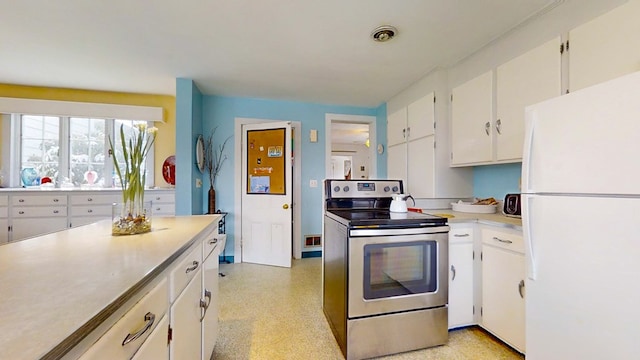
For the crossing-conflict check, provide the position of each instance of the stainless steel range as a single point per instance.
(384, 274)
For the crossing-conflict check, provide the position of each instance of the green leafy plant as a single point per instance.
(135, 151)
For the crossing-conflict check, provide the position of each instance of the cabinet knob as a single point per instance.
(21, 200)
(21, 212)
(89, 211)
(56, 211)
(89, 199)
(55, 200)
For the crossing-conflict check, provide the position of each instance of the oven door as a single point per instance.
(392, 273)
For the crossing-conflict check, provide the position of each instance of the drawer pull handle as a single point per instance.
(89, 199)
(55, 200)
(149, 318)
(194, 265)
(502, 240)
(205, 304)
(56, 211)
(461, 235)
(453, 272)
(89, 211)
(20, 200)
(520, 288)
(21, 212)
(157, 199)
(157, 209)
(213, 241)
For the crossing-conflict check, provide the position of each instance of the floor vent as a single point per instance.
(312, 240)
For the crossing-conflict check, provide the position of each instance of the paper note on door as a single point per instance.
(259, 184)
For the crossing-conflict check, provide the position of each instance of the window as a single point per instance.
(72, 150)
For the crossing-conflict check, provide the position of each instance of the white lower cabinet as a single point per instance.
(503, 292)
(185, 322)
(461, 276)
(127, 335)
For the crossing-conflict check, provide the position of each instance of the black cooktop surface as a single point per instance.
(370, 218)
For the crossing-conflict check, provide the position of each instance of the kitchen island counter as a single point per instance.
(57, 288)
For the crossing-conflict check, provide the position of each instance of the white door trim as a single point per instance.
(237, 191)
(373, 144)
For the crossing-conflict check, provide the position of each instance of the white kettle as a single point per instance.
(399, 203)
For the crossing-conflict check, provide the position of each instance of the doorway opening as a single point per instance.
(350, 147)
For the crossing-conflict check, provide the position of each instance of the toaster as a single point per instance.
(511, 205)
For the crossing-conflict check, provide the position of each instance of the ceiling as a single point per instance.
(311, 51)
(349, 133)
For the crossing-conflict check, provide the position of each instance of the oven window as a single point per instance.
(400, 269)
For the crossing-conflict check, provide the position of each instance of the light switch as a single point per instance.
(313, 183)
(313, 135)
(198, 183)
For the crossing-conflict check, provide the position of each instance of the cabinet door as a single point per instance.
(503, 304)
(605, 47)
(185, 322)
(471, 120)
(460, 284)
(420, 168)
(4, 231)
(397, 162)
(421, 117)
(525, 80)
(155, 347)
(210, 298)
(25, 228)
(396, 127)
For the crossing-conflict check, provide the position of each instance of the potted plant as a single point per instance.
(133, 215)
(214, 157)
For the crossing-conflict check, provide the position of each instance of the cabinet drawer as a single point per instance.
(4, 212)
(460, 234)
(184, 271)
(95, 199)
(210, 242)
(110, 345)
(160, 198)
(163, 209)
(45, 211)
(39, 200)
(503, 239)
(95, 210)
(4, 200)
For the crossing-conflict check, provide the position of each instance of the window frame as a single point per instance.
(64, 156)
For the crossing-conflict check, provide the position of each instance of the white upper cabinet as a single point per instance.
(605, 47)
(471, 121)
(526, 80)
(410, 151)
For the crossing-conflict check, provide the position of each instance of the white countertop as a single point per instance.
(52, 285)
(496, 219)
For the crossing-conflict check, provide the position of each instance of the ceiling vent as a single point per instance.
(384, 33)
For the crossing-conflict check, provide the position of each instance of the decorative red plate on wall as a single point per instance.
(169, 170)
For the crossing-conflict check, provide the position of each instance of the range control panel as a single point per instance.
(335, 189)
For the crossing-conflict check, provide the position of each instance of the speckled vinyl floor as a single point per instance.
(276, 313)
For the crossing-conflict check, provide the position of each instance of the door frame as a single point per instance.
(297, 189)
(373, 143)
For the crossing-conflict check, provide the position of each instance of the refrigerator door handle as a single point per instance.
(527, 148)
(527, 203)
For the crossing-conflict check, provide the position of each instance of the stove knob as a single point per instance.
(336, 189)
(386, 189)
(395, 189)
(345, 189)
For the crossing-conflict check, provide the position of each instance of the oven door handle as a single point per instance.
(453, 272)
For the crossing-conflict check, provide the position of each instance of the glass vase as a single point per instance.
(131, 218)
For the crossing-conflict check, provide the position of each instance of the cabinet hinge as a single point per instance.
(434, 125)
(9, 228)
(434, 144)
(567, 46)
(474, 309)
(451, 156)
(480, 255)
(480, 310)
(434, 99)
(169, 335)
(451, 97)
(473, 255)
(562, 48)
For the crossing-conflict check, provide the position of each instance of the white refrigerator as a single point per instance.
(581, 223)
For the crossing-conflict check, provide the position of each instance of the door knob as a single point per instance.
(285, 206)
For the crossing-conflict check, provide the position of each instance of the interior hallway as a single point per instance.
(276, 313)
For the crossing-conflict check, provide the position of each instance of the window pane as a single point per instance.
(87, 149)
(40, 144)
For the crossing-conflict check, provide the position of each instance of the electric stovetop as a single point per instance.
(385, 218)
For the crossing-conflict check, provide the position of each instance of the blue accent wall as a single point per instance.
(220, 112)
(381, 138)
(496, 180)
(189, 198)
